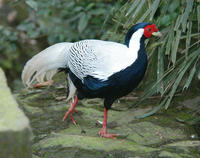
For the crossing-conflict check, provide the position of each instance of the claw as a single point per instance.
(107, 135)
(103, 131)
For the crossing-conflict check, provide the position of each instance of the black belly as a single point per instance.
(117, 85)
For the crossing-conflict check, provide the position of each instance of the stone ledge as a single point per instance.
(15, 131)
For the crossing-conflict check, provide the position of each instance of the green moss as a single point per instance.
(187, 143)
(139, 137)
(93, 103)
(173, 118)
(93, 143)
(186, 148)
(167, 154)
(147, 133)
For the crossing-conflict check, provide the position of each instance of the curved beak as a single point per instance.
(157, 34)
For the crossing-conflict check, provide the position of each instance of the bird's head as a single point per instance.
(142, 31)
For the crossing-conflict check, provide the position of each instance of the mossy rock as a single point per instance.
(15, 132)
(148, 137)
(95, 146)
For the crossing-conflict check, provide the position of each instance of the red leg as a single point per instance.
(71, 104)
(71, 109)
(103, 131)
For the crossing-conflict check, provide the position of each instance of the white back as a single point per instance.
(101, 59)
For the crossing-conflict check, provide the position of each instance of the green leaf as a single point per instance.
(185, 16)
(160, 69)
(188, 38)
(145, 15)
(78, 8)
(83, 22)
(174, 88)
(198, 17)
(189, 80)
(139, 7)
(191, 35)
(98, 11)
(8, 64)
(149, 91)
(133, 6)
(198, 75)
(178, 22)
(173, 16)
(180, 76)
(175, 47)
(89, 6)
(33, 4)
(6, 32)
(153, 111)
(169, 42)
(165, 20)
(22, 27)
(154, 8)
(173, 6)
(136, 14)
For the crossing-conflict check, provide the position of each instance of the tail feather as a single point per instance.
(50, 74)
(45, 64)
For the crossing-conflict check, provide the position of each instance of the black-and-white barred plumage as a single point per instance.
(96, 68)
(96, 58)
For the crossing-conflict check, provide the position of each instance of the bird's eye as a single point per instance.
(149, 29)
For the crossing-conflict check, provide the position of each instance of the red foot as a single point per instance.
(71, 115)
(38, 85)
(71, 110)
(103, 133)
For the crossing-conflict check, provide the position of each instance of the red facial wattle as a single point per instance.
(149, 29)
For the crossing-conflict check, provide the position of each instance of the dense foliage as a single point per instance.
(29, 26)
(174, 59)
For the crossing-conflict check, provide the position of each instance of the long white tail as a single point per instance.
(46, 64)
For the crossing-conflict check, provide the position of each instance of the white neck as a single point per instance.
(134, 43)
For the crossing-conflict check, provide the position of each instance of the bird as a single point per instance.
(94, 68)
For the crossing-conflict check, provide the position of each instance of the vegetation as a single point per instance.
(32, 25)
(174, 59)
(29, 26)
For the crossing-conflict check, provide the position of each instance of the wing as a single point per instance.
(99, 59)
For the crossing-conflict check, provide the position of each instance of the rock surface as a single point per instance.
(15, 131)
(161, 135)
